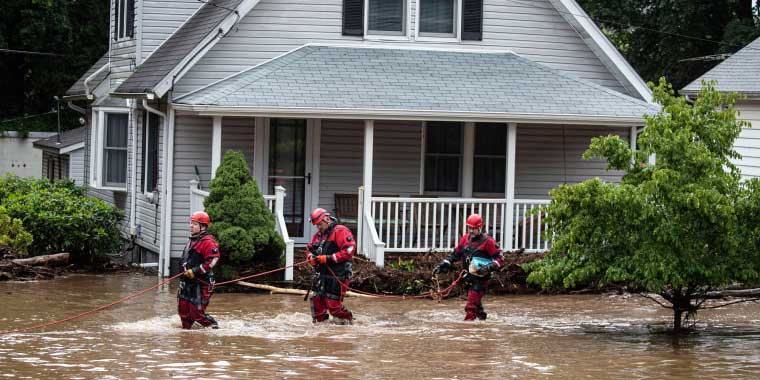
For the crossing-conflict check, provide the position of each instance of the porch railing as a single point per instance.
(436, 224)
(369, 241)
(274, 202)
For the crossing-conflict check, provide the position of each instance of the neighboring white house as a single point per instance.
(434, 108)
(740, 73)
(63, 156)
(17, 155)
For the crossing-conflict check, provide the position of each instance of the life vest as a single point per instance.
(328, 246)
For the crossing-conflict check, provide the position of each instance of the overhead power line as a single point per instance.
(27, 52)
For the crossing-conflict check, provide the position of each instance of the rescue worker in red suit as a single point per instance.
(474, 244)
(331, 253)
(198, 259)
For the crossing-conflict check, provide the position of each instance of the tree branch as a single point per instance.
(655, 300)
(732, 303)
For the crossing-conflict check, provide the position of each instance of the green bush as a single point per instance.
(61, 218)
(240, 219)
(13, 236)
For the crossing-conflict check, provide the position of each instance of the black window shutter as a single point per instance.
(130, 18)
(472, 20)
(115, 20)
(353, 17)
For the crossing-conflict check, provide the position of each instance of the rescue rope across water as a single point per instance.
(440, 293)
(127, 298)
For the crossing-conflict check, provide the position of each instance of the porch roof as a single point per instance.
(77, 89)
(388, 81)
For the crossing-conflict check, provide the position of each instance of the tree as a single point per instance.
(240, 219)
(679, 227)
(653, 35)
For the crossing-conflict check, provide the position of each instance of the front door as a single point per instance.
(290, 166)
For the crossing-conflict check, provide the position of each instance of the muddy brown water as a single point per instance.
(271, 336)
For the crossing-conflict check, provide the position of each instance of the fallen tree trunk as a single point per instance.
(58, 258)
(741, 293)
(300, 292)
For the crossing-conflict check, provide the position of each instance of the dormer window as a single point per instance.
(124, 19)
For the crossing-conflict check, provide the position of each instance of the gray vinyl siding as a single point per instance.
(161, 18)
(396, 163)
(550, 155)
(192, 147)
(60, 164)
(748, 143)
(76, 166)
(341, 159)
(123, 53)
(272, 28)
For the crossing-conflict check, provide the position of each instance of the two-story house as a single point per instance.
(435, 108)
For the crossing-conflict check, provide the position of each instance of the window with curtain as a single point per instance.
(115, 150)
(151, 126)
(438, 18)
(490, 158)
(443, 157)
(386, 17)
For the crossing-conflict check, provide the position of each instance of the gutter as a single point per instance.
(76, 108)
(92, 76)
(134, 95)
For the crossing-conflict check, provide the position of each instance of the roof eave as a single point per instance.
(417, 115)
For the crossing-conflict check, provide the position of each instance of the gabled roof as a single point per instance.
(395, 81)
(739, 73)
(77, 89)
(70, 140)
(185, 40)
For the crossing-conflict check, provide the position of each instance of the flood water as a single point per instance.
(271, 336)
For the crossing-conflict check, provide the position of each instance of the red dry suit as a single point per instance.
(332, 279)
(201, 255)
(471, 246)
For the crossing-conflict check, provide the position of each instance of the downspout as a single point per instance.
(91, 77)
(168, 178)
(133, 198)
(76, 108)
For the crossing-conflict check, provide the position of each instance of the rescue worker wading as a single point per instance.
(199, 257)
(480, 255)
(331, 252)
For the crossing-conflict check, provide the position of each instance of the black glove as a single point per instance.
(486, 269)
(442, 267)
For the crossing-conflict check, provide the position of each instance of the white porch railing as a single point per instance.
(274, 202)
(369, 241)
(437, 224)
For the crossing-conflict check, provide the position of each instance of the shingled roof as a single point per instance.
(739, 73)
(159, 64)
(77, 89)
(361, 78)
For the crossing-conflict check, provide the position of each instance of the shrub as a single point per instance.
(13, 236)
(240, 219)
(61, 218)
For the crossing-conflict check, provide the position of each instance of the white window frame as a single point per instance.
(146, 149)
(97, 141)
(379, 35)
(120, 7)
(424, 154)
(435, 37)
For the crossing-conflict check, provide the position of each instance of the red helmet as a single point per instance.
(318, 215)
(474, 221)
(200, 217)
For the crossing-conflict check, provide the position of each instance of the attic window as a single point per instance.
(124, 19)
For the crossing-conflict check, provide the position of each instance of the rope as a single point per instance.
(259, 274)
(442, 293)
(95, 310)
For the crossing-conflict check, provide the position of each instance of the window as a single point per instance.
(124, 19)
(490, 158)
(151, 126)
(443, 157)
(115, 150)
(387, 17)
(438, 18)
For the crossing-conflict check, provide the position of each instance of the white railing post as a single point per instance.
(362, 247)
(279, 201)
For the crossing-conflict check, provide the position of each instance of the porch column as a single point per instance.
(369, 134)
(508, 242)
(216, 145)
(468, 159)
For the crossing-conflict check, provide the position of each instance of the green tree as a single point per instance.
(75, 30)
(679, 227)
(240, 219)
(651, 33)
(13, 236)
